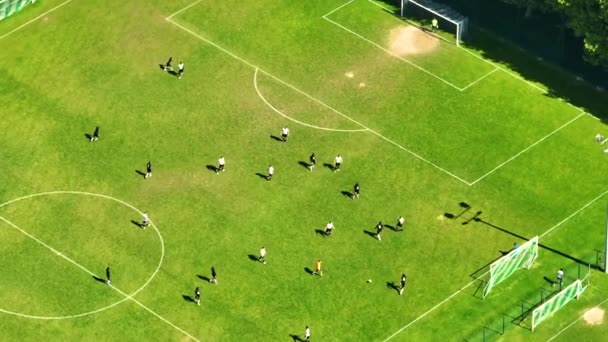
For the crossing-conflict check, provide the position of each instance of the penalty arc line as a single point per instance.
(56, 252)
(33, 20)
(528, 148)
(257, 90)
(316, 100)
(478, 278)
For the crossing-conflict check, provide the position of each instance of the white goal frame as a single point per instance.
(462, 23)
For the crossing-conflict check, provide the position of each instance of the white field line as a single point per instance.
(38, 17)
(479, 79)
(338, 8)
(56, 252)
(527, 148)
(315, 100)
(392, 53)
(183, 9)
(379, 5)
(257, 90)
(481, 276)
(576, 320)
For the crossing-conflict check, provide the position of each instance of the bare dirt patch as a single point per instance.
(409, 40)
(594, 316)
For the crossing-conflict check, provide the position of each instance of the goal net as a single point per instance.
(501, 269)
(451, 25)
(10, 7)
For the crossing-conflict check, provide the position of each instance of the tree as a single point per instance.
(589, 19)
(532, 5)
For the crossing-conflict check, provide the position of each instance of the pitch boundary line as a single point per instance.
(527, 148)
(479, 79)
(56, 252)
(182, 10)
(257, 90)
(314, 99)
(482, 275)
(33, 20)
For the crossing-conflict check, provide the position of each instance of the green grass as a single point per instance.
(96, 63)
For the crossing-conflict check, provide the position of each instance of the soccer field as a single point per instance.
(471, 152)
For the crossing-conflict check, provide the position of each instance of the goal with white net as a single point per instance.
(425, 12)
(501, 269)
(10, 7)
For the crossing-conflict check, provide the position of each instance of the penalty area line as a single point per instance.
(33, 20)
(62, 255)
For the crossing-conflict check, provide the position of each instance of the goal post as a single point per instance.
(521, 257)
(425, 11)
(565, 296)
(10, 7)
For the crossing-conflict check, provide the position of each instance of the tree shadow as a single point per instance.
(253, 258)
(372, 234)
(188, 298)
(101, 280)
(212, 168)
(391, 285)
(202, 277)
(308, 270)
(264, 177)
(143, 174)
(347, 194)
(304, 164)
(274, 137)
(296, 338)
(329, 166)
(139, 225)
(320, 232)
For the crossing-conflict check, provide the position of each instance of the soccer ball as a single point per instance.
(369, 280)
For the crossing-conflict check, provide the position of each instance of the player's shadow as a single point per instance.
(391, 285)
(393, 228)
(329, 166)
(296, 338)
(101, 280)
(308, 270)
(372, 234)
(173, 73)
(202, 277)
(347, 194)
(141, 173)
(264, 177)
(162, 66)
(187, 298)
(139, 225)
(274, 137)
(321, 232)
(88, 136)
(550, 281)
(212, 168)
(253, 258)
(304, 164)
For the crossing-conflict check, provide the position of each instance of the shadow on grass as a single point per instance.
(143, 174)
(253, 258)
(329, 166)
(264, 177)
(88, 136)
(202, 277)
(304, 164)
(139, 225)
(372, 234)
(308, 270)
(212, 168)
(296, 338)
(274, 137)
(347, 194)
(101, 280)
(320, 232)
(391, 286)
(188, 298)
